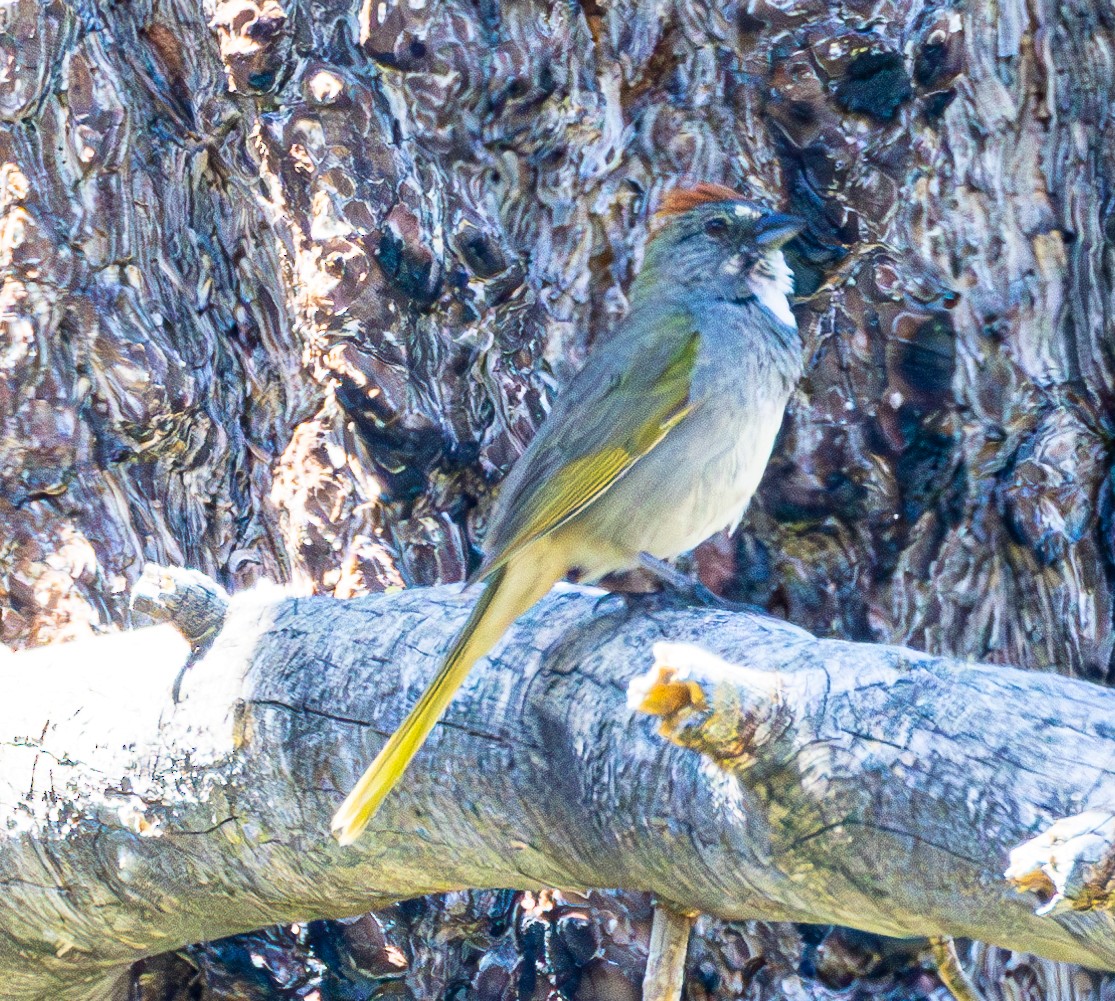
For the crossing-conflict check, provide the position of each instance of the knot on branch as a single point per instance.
(1070, 866)
(189, 600)
(728, 712)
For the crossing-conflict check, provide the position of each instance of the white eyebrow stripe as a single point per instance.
(743, 210)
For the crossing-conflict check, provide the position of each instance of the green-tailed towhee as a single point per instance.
(657, 443)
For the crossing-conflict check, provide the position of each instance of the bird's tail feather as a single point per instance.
(511, 590)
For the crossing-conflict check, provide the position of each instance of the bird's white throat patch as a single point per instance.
(771, 281)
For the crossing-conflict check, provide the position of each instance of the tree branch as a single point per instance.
(800, 779)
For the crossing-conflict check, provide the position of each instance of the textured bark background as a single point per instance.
(286, 286)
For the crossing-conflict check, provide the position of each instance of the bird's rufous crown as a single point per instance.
(679, 200)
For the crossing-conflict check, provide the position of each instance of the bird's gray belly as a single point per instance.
(698, 481)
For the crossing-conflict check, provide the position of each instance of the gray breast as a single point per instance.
(702, 476)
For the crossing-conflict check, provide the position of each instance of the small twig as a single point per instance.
(669, 942)
(951, 972)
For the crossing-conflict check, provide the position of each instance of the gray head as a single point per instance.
(710, 240)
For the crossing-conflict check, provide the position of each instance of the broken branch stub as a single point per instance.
(1070, 866)
(189, 600)
(731, 714)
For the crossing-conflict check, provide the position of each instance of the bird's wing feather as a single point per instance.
(615, 411)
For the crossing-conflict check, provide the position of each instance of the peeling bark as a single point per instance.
(832, 782)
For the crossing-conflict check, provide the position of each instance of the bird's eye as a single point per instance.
(716, 226)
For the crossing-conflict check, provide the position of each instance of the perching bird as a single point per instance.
(657, 443)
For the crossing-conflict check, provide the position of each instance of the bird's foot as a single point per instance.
(692, 589)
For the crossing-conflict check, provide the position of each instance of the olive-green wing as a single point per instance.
(616, 410)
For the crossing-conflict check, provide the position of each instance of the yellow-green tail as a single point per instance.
(511, 590)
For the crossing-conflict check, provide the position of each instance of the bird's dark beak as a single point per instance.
(775, 229)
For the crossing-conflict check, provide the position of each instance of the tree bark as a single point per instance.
(832, 782)
(284, 287)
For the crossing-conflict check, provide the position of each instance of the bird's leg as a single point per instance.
(669, 942)
(691, 588)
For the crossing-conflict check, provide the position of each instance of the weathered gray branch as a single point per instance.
(832, 782)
